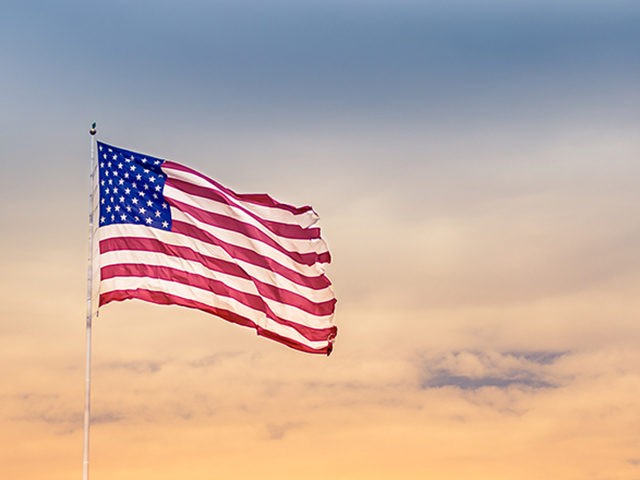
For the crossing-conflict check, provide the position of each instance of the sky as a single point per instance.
(475, 166)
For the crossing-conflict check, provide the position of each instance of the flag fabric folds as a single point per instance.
(168, 234)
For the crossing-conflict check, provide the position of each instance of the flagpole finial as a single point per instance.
(93, 130)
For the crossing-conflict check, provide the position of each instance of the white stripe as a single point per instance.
(282, 310)
(170, 238)
(316, 245)
(203, 296)
(240, 240)
(305, 220)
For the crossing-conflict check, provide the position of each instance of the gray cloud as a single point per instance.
(474, 370)
(544, 357)
(523, 379)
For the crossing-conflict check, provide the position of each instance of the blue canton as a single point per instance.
(131, 187)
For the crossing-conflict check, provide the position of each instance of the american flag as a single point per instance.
(168, 234)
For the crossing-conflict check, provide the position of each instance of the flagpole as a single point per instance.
(87, 387)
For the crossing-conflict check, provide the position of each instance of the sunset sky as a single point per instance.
(475, 166)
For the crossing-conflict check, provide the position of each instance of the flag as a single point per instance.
(170, 235)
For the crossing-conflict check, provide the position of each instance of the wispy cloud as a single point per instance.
(277, 431)
(214, 359)
(140, 367)
(56, 412)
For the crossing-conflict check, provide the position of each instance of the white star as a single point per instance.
(157, 162)
(102, 183)
(110, 182)
(144, 160)
(113, 218)
(115, 157)
(157, 213)
(142, 210)
(108, 208)
(115, 173)
(141, 193)
(138, 177)
(134, 185)
(102, 164)
(165, 224)
(102, 201)
(121, 199)
(109, 164)
(120, 165)
(134, 201)
(126, 175)
(121, 181)
(132, 168)
(127, 191)
(115, 189)
(117, 208)
(149, 220)
(158, 188)
(137, 219)
(152, 179)
(123, 217)
(107, 191)
(128, 208)
(155, 196)
(149, 203)
(146, 170)
(146, 187)
(102, 219)
(164, 205)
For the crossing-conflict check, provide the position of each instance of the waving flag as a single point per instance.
(170, 235)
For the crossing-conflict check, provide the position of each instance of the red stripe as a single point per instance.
(164, 298)
(215, 286)
(235, 225)
(212, 263)
(267, 290)
(244, 254)
(257, 198)
(286, 230)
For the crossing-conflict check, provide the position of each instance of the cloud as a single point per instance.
(472, 370)
(107, 417)
(277, 431)
(215, 359)
(539, 357)
(141, 367)
(55, 411)
(524, 379)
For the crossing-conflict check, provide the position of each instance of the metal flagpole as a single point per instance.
(87, 391)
